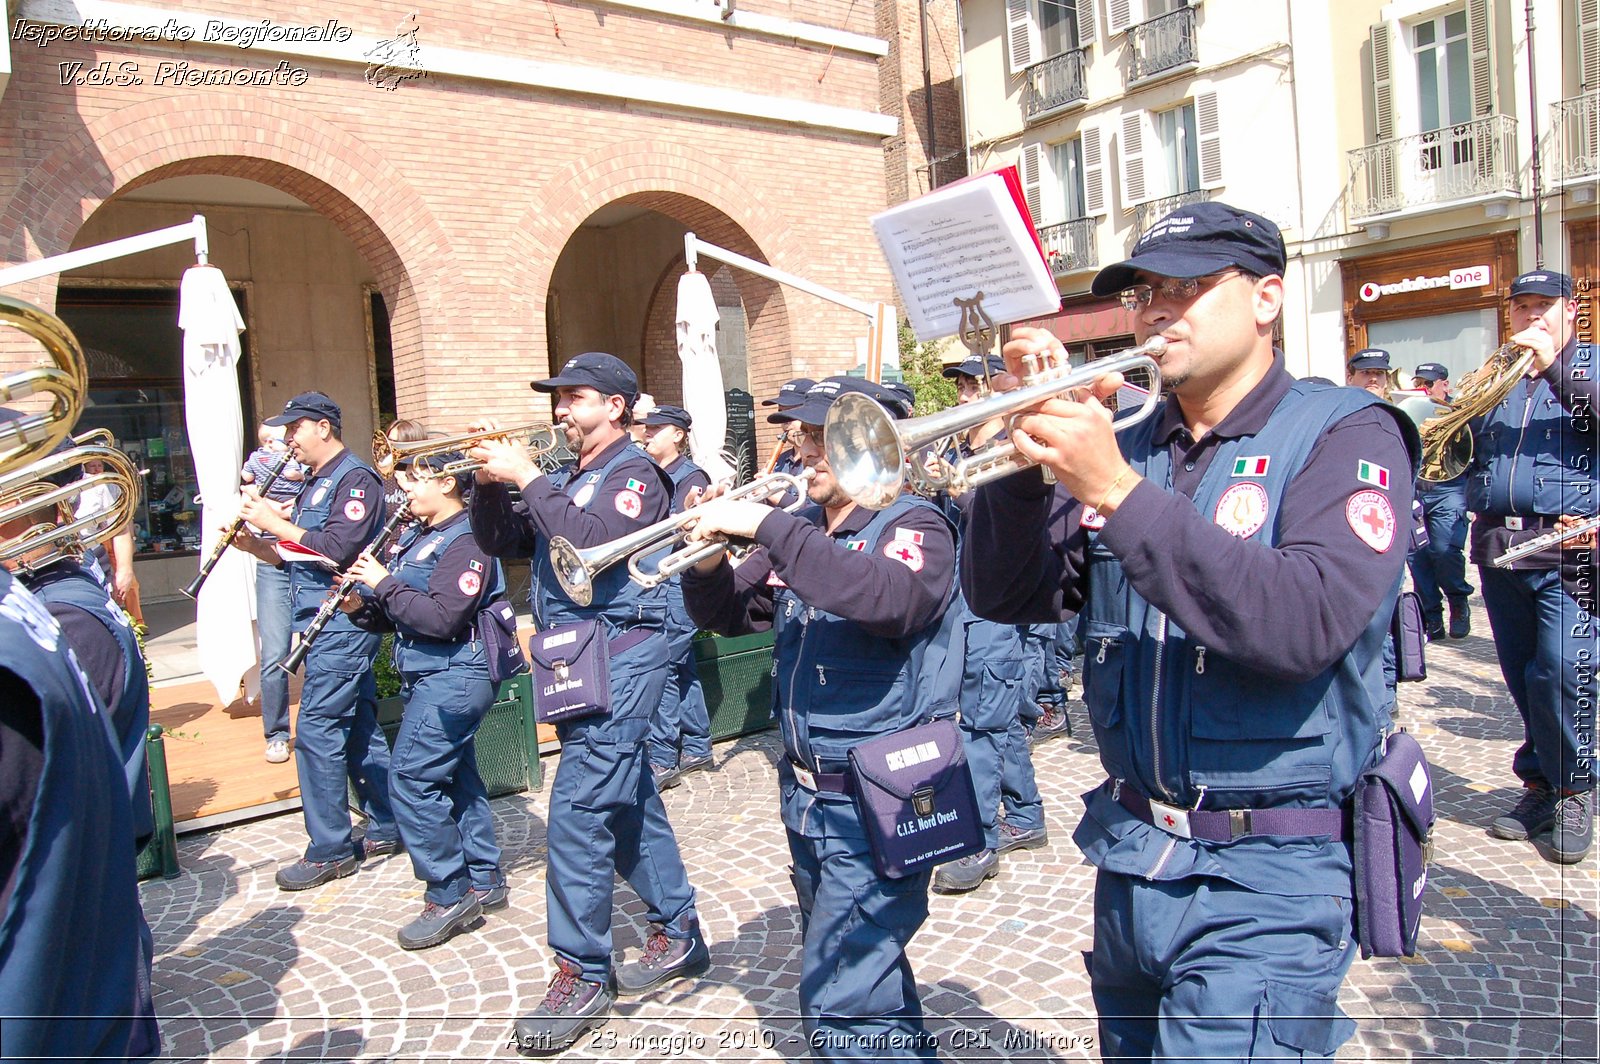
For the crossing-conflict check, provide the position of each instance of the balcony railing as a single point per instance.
(1465, 162)
(1070, 246)
(1055, 84)
(1162, 45)
(1575, 139)
(1147, 214)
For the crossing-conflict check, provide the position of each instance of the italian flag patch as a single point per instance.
(635, 485)
(1250, 467)
(1374, 474)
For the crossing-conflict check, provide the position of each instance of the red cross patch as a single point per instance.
(355, 510)
(629, 503)
(1371, 517)
(469, 583)
(908, 554)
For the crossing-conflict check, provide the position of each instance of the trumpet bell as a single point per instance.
(865, 451)
(572, 570)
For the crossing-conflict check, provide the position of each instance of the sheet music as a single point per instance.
(959, 241)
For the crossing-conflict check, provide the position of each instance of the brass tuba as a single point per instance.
(1447, 439)
(65, 382)
(54, 532)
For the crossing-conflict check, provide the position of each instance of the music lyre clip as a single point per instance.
(976, 333)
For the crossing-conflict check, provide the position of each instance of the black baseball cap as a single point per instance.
(313, 406)
(669, 415)
(1196, 241)
(606, 374)
(793, 393)
(1431, 371)
(1542, 283)
(814, 410)
(1369, 358)
(973, 366)
(431, 463)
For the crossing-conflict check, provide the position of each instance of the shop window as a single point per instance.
(1461, 341)
(135, 352)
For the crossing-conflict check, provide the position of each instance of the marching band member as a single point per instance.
(858, 601)
(1235, 686)
(606, 813)
(337, 513)
(430, 595)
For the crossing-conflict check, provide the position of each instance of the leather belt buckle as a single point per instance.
(1514, 524)
(805, 776)
(1170, 818)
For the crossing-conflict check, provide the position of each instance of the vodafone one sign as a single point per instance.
(1462, 277)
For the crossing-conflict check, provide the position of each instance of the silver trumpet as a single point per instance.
(577, 568)
(873, 456)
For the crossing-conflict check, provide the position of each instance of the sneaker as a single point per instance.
(277, 751)
(1534, 814)
(493, 899)
(1434, 628)
(1014, 838)
(1460, 618)
(665, 958)
(439, 922)
(666, 777)
(303, 874)
(969, 873)
(1573, 832)
(1052, 722)
(380, 847)
(571, 1008)
(687, 765)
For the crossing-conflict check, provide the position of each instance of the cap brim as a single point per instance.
(552, 383)
(811, 412)
(1163, 263)
(289, 417)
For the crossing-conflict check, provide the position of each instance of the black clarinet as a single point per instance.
(193, 590)
(380, 542)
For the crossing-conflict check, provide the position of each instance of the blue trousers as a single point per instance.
(682, 723)
(338, 739)
(273, 624)
(440, 803)
(858, 997)
(992, 692)
(1203, 969)
(606, 819)
(1548, 650)
(1059, 646)
(1440, 568)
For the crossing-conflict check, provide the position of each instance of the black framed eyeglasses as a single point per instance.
(1175, 289)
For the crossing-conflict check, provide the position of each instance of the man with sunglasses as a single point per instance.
(1235, 558)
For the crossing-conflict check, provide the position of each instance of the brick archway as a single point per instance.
(348, 181)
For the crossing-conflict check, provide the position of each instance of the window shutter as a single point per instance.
(1094, 172)
(1208, 126)
(1589, 44)
(1133, 182)
(1032, 166)
(1480, 30)
(1382, 35)
(1022, 35)
(1120, 14)
(1086, 22)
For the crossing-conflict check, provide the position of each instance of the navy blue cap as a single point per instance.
(1432, 371)
(1369, 358)
(313, 406)
(430, 462)
(669, 415)
(1542, 283)
(1196, 241)
(793, 393)
(904, 395)
(814, 410)
(606, 374)
(972, 366)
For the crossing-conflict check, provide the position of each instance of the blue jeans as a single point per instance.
(1439, 570)
(273, 625)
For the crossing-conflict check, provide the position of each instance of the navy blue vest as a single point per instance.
(309, 584)
(1531, 456)
(68, 584)
(685, 469)
(69, 937)
(835, 684)
(419, 556)
(617, 599)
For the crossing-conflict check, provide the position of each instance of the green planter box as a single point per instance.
(736, 673)
(160, 855)
(507, 741)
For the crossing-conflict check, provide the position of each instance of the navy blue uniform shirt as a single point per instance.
(633, 494)
(447, 608)
(355, 517)
(698, 479)
(893, 592)
(1290, 611)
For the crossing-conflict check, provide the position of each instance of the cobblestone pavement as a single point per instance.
(1507, 968)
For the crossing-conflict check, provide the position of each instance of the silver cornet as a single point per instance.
(873, 456)
(576, 568)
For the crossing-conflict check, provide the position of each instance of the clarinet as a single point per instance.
(291, 664)
(193, 590)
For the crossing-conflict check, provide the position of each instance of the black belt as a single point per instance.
(1225, 825)
(1527, 521)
